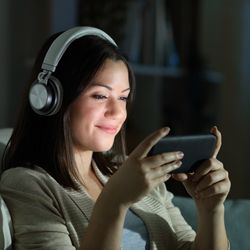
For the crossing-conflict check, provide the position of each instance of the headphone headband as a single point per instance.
(63, 41)
(46, 92)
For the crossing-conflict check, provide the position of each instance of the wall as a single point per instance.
(4, 61)
(25, 26)
(225, 45)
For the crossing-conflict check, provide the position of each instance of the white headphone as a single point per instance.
(46, 93)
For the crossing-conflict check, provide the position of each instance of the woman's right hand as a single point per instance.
(139, 174)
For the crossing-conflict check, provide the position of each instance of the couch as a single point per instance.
(237, 219)
(5, 219)
(237, 216)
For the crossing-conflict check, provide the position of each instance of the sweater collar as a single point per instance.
(82, 199)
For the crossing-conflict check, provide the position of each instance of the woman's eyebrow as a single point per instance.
(107, 86)
(126, 90)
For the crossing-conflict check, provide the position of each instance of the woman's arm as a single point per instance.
(106, 224)
(211, 232)
(135, 178)
(36, 218)
(209, 187)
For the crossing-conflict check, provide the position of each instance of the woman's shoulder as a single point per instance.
(23, 173)
(26, 178)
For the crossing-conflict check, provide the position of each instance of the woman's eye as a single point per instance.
(124, 98)
(99, 97)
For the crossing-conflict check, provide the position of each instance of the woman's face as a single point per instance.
(98, 114)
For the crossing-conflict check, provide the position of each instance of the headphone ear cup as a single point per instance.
(57, 91)
(46, 99)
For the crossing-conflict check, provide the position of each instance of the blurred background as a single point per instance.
(191, 60)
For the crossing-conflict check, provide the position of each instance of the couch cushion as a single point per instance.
(5, 227)
(5, 220)
(237, 219)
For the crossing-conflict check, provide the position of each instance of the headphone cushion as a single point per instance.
(57, 92)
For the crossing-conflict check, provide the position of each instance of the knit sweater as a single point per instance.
(48, 216)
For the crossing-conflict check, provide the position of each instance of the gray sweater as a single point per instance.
(47, 216)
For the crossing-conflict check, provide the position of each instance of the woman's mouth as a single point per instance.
(108, 129)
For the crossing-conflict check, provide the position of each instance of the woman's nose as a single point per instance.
(115, 109)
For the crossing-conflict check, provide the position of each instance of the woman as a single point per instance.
(68, 183)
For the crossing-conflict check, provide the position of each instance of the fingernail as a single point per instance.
(214, 128)
(167, 176)
(165, 129)
(177, 164)
(180, 155)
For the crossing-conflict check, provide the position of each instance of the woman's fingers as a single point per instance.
(145, 146)
(165, 169)
(181, 176)
(158, 166)
(218, 143)
(219, 188)
(208, 166)
(162, 159)
(212, 179)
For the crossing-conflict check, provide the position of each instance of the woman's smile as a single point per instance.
(108, 129)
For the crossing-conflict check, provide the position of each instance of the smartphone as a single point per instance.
(196, 149)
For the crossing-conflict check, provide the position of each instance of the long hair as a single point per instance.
(46, 141)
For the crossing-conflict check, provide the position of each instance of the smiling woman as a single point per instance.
(52, 134)
(67, 180)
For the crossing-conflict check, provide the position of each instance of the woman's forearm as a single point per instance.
(211, 232)
(106, 224)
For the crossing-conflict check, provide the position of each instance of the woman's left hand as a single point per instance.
(210, 184)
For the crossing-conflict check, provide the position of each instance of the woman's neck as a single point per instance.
(83, 161)
(89, 179)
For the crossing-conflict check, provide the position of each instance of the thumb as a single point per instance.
(180, 177)
(214, 130)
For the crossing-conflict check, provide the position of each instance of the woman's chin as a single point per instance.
(103, 148)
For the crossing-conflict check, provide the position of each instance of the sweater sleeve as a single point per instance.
(185, 235)
(35, 212)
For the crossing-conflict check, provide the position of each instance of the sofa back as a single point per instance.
(237, 219)
(5, 134)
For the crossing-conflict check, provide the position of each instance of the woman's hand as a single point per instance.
(137, 176)
(210, 184)
(140, 174)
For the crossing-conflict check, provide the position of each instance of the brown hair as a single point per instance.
(46, 141)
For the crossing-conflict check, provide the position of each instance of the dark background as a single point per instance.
(191, 60)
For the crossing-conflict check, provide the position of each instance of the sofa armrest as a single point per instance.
(6, 230)
(5, 134)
